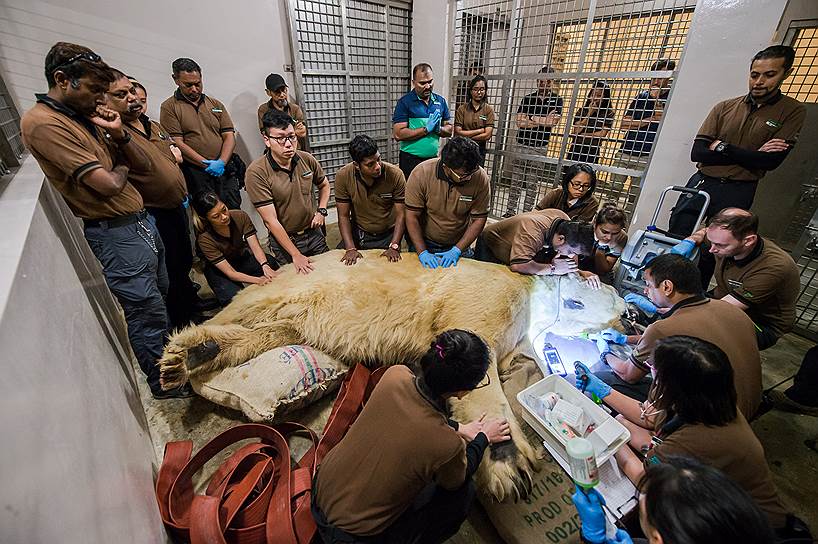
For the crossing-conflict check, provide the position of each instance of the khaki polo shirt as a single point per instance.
(201, 125)
(164, 185)
(399, 444)
(739, 122)
(217, 248)
(767, 281)
(447, 207)
(720, 323)
(583, 209)
(67, 149)
(519, 238)
(373, 207)
(468, 118)
(733, 449)
(290, 191)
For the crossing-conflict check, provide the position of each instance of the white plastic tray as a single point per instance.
(605, 424)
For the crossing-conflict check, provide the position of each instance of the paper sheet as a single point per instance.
(619, 492)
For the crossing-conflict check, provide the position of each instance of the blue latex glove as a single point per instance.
(589, 506)
(621, 537)
(428, 260)
(434, 120)
(614, 336)
(215, 167)
(685, 248)
(449, 258)
(592, 383)
(602, 345)
(641, 302)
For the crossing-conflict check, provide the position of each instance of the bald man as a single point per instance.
(752, 273)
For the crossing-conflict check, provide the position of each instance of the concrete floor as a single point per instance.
(794, 465)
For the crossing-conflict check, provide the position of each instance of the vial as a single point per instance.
(582, 461)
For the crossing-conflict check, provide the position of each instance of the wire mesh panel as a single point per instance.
(11, 142)
(352, 62)
(806, 257)
(571, 81)
(803, 83)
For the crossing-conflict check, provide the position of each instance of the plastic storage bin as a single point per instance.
(608, 436)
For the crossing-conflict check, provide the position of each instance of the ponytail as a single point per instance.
(201, 204)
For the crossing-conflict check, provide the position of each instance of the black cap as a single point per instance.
(274, 82)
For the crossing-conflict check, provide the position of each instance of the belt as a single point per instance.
(727, 180)
(300, 232)
(116, 221)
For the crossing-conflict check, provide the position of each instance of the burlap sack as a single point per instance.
(548, 514)
(274, 383)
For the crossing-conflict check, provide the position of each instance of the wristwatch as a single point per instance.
(394, 246)
(323, 211)
(720, 147)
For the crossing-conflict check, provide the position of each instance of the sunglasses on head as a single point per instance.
(88, 56)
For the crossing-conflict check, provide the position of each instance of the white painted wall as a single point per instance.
(76, 461)
(723, 37)
(432, 43)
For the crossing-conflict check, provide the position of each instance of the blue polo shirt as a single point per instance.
(414, 111)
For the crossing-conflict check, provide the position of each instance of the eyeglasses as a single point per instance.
(90, 57)
(580, 186)
(282, 140)
(485, 382)
(457, 178)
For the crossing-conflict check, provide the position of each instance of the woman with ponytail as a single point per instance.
(403, 471)
(227, 241)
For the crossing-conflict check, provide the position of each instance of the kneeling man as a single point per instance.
(369, 194)
(447, 204)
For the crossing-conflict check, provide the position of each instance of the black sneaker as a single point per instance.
(181, 392)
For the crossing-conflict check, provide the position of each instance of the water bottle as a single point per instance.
(582, 461)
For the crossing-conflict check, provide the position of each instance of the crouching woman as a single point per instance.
(227, 241)
(403, 471)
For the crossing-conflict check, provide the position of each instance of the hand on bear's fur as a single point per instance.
(469, 430)
(497, 430)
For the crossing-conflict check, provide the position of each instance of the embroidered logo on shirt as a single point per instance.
(483, 118)
(735, 284)
(385, 195)
(217, 110)
(306, 174)
(772, 123)
(466, 198)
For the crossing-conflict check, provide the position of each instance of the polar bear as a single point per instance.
(378, 312)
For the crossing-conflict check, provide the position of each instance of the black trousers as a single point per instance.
(310, 242)
(223, 287)
(368, 240)
(174, 230)
(434, 517)
(723, 194)
(199, 181)
(407, 162)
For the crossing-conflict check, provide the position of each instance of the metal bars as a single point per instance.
(11, 142)
(806, 257)
(352, 62)
(563, 75)
(803, 83)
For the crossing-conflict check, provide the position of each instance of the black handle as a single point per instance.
(682, 189)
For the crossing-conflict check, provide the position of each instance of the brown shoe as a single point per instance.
(782, 402)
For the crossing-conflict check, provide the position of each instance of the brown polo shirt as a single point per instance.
(517, 240)
(217, 248)
(293, 110)
(373, 206)
(200, 125)
(583, 209)
(68, 146)
(164, 185)
(399, 444)
(717, 322)
(448, 207)
(468, 118)
(767, 281)
(290, 191)
(740, 122)
(733, 449)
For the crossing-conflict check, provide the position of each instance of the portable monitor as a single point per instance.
(552, 357)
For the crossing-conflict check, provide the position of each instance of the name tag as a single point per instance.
(217, 110)
(306, 174)
(483, 118)
(465, 198)
(773, 123)
(734, 284)
(385, 195)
